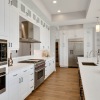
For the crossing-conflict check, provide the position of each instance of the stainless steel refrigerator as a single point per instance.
(75, 49)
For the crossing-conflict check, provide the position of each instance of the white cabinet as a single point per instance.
(4, 18)
(14, 83)
(21, 83)
(50, 67)
(14, 26)
(24, 10)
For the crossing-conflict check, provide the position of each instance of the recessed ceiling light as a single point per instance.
(59, 11)
(54, 1)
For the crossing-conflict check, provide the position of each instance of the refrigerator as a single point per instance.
(75, 49)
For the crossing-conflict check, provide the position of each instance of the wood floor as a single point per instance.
(61, 85)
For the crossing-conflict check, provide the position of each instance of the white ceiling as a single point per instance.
(66, 6)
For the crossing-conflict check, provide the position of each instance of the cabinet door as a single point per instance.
(2, 16)
(14, 29)
(14, 90)
(24, 83)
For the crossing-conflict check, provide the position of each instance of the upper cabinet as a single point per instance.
(2, 19)
(25, 10)
(14, 25)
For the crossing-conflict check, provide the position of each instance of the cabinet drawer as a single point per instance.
(14, 75)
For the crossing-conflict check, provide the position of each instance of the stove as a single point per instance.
(39, 65)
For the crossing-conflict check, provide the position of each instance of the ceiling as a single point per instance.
(66, 6)
(72, 11)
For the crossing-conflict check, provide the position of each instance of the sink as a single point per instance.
(89, 63)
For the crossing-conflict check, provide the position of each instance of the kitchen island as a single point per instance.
(90, 76)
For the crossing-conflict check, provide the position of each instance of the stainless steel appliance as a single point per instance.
(2, 80)
(39, 70)
(3, 52)
(75, 49)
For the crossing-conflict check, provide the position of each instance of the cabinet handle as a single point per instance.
(25, 71)
(11, 44)
(15, 75)
(19, 80)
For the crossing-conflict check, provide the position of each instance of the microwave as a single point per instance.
(3, 52)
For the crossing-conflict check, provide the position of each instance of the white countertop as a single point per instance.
(18, 66)
(90, 79)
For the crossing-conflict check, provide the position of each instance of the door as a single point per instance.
(24, 83)
(14, 84)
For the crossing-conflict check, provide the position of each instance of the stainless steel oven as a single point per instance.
(39, 76)
(2, 80)
(3, 52)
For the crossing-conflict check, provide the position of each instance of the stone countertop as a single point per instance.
(18, 66)
(90, 76)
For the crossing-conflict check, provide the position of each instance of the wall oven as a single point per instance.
(2, 80)
(3, 52)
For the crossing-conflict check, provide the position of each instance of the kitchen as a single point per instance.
(28, 32)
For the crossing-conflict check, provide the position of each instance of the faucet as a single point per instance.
(89, 55)
(97, 54)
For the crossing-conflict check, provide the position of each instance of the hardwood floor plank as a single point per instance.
(61, 85)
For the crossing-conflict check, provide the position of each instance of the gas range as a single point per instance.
(37, 62)
(39, 65)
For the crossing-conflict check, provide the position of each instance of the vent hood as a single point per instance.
(27, 33)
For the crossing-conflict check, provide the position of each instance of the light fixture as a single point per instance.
(54, 1)
(97, 25)
(59, 11)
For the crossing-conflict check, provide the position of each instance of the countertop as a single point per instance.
(18, 66)
(90, 76)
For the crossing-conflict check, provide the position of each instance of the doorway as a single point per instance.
(57, 53)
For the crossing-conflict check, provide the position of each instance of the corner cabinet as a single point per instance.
(14, 26)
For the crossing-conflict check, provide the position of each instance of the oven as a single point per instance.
(39, 75)
(2, 80)
(3, 52)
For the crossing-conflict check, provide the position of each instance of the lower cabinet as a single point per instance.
(50, 67)
(19, 83)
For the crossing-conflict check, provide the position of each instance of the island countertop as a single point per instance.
(90, 76)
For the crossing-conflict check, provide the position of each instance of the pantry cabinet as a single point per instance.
(19, 83)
